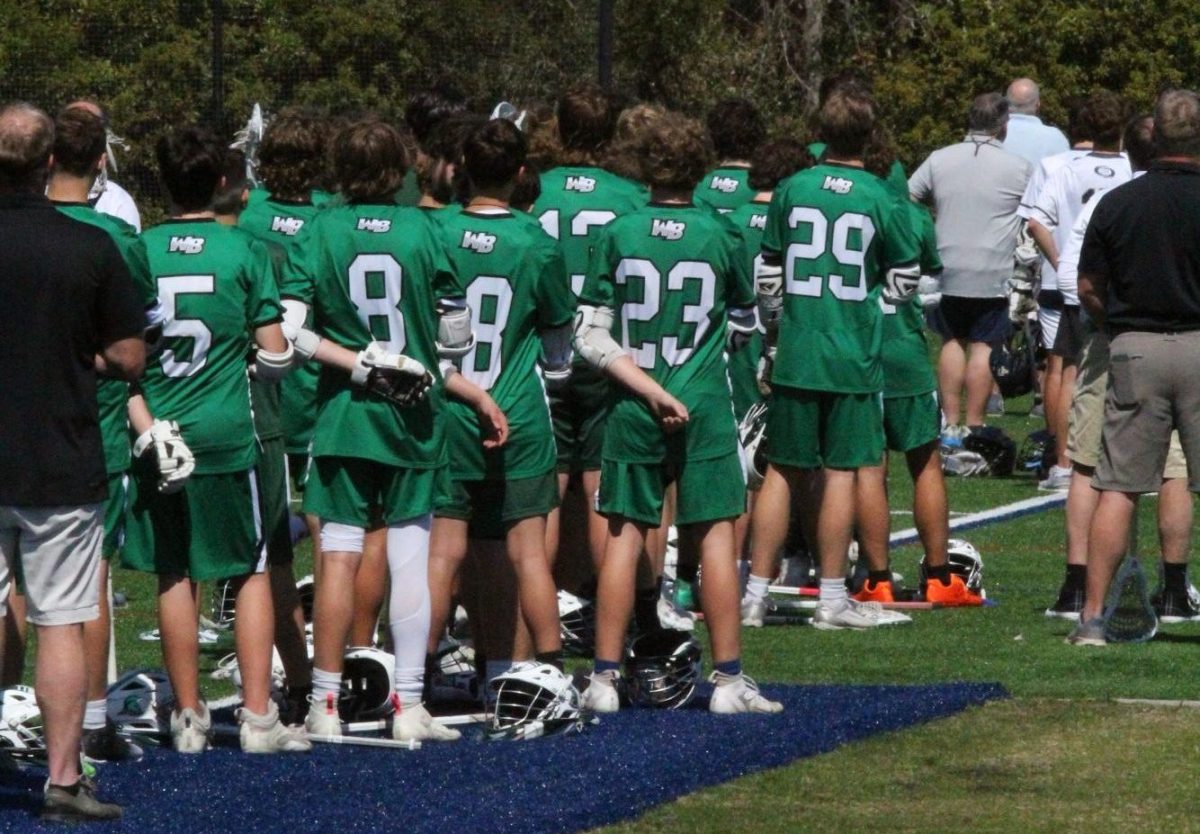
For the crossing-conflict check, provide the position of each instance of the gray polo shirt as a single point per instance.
(975, 188)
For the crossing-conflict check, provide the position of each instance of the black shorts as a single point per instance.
(1068, 342)
(973, 319)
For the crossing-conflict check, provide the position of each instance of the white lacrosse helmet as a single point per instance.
(964, 463)
(964, 560)
(577, 623)
(752, 431)
(224, 600)
(21, 732)
(533, 700)
(367, 684)
(228, 669)
(139, 699)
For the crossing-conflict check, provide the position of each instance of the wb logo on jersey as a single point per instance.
(480, 242)
(374, 224)
(726, 185)
(286, 225)
(667, 229)
(584, 184)
(838, 185)
(186, 245)
(758, 221)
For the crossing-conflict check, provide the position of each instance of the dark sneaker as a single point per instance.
(1175, 605)
(107, 745)
(1068, 605)
(76, 803)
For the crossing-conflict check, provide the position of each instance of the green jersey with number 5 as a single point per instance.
(837, 230)
(373, 273)
(516, 287)
(670, 273)
(216, 284)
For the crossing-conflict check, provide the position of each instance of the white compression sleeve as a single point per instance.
(408, 608)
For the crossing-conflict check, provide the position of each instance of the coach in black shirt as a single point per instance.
(1139, 277)
(67, 309)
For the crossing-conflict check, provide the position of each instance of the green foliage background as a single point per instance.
(152, 63)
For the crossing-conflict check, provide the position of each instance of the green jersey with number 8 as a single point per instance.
(837, 230)
(516, 287)
(216, 285)
(373, 273)
(670, 273)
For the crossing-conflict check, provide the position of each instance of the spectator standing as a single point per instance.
(1028, 136)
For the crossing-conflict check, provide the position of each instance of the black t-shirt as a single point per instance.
(65, 293)
(1145, 236)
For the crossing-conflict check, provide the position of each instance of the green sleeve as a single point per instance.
(446, 282)
(139, 268)
(556, 303)
(773, 233)
(741, 281)
(262, 293)
(598, 285)
(296, 275)
(901, 244)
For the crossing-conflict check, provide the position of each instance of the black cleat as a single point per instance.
(1175, 605)
(1068, 605)
(105, 744)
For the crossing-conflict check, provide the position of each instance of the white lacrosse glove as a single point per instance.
(768, 290)
(397, 378)
(900, 284)
(929, 290)
(172, 457)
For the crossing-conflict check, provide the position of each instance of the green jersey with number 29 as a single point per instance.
(516, 287)
(374, 273)
(670, 273)
(837, 230)
(216, 284)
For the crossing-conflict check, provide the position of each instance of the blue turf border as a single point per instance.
(613, 771)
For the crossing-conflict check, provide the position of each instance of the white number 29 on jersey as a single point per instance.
(821, 240)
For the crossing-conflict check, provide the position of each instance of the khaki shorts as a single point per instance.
(59, 553)
(1152, 389)
(1086, 420)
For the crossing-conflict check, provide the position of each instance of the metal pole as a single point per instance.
(604, 42)
(218, 70)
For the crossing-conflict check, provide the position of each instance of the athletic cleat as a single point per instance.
(754, 612)
(956, 593)
(734, 694)
(1057, 480)
(267, 734)
(76, 804)
(673, 618)
(323, 718)
(1175, 606)
(414, 723)
(995, 405)
(856, 615)
(190, 729)
(1068, 605)
(1088, 633)
(601, 694)
(952, 437)
(875, 592)
(105, 744)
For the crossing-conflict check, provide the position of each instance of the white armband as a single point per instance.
(304, 342)
(271, 366)
(593, 336)
(454, 337)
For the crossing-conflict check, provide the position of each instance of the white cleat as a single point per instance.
(735, 694)
(414, 723)
(323, 718)
(190, 729)
(267, 734)
(754, 612)
(856, 615)
(601, 694)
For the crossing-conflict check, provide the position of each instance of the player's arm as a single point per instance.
(491, 419)
(1044, 239)
(556, 313)
(160, 441)
(1093, 295)
(1094, 270)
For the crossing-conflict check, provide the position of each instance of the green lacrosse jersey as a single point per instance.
(907, 371)
(750, 218)
(725, 188)
(670, 273)
(216, 285)
(279, 223)
(112, 395)
(515, 280)
(374, 273)
(837, 230)
(896, 179)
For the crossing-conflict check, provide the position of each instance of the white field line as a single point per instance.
(1005, 512)
(1151, 702)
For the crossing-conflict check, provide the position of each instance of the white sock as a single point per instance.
(408, 608)
(833, 592)
(325, 684)
(95, 714)
(756, 588)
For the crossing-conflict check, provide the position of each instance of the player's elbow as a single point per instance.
(593, 336)
(125, 358)
(455, 337)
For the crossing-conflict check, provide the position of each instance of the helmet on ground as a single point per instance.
(752, 433)
(533, 700)
(306, 590)
(663, 668)
(577, 622)
(1033, 451)
(456, 668)
(228, 669)
(964, 560)
(21, 731)
(140, 699)
(996, 447)
(367, 684)
(224, 600)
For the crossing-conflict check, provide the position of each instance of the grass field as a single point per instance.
(1059, 756)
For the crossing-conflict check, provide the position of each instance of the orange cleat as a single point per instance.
(956, 593)
(875, 592)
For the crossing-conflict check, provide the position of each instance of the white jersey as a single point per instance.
(1064, 193)
(117, 202)
(1068, 255)
(1037, 180)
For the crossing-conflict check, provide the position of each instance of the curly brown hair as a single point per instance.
(292, 158)
(846, 121)
(676, 152)
(369, 161)
(585, 124)
(624, 155)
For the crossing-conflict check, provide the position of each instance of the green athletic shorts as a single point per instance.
(297, 467)
(364, 493)
(578, 413)
(911, 422)
(273, 479)
(212, 529)
(114, 515)
(706, 490)
(490, 507)
(811, 429)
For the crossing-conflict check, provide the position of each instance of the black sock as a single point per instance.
(1076, 576)
(645, 609)
(941, 573)
(299, 694)
(687, 571)
(877, 576)
(431, 666)
(1175, 576)
(73, 790)
(553, 658)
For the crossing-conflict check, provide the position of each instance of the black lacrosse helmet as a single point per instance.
(995, 447)
(663, 668)
(366, 684)
(1033, 450)
(1013, 366)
